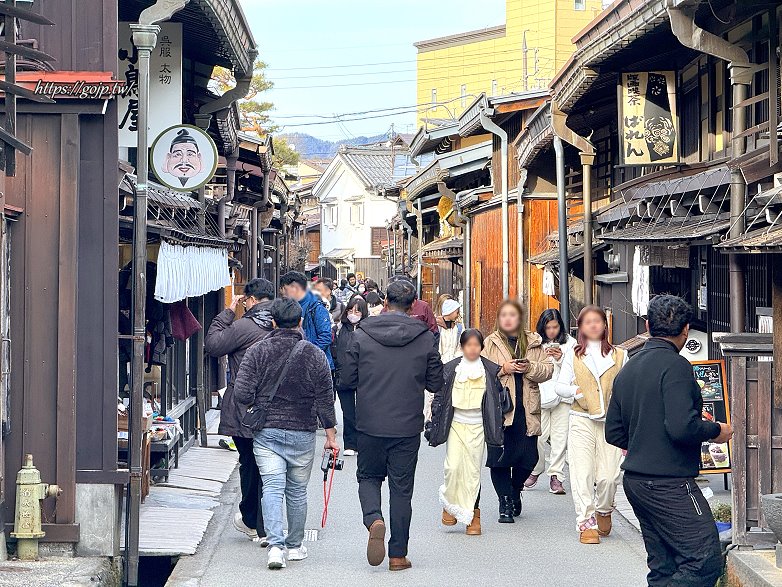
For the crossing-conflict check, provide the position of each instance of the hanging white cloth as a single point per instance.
(640, 291)
(548, 283)
(189, 272)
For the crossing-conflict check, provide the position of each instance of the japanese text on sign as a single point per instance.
(648, 121)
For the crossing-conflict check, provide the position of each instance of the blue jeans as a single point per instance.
(284, 460)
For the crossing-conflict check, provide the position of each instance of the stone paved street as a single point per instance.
(542, 548)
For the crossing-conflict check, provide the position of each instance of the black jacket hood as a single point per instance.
(393, 329)
(260, 314)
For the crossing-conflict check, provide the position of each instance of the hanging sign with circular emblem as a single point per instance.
(184, 157)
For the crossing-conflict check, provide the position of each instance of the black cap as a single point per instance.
(183, 136)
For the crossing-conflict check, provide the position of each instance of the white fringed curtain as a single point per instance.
(189, 271)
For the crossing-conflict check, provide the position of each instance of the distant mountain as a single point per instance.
(310, 147)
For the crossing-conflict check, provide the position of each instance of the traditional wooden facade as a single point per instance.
(60, 401)
(666, 227)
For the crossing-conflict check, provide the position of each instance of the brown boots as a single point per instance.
(474, 529)
(589, 536)
(448, 519)
(604, 524)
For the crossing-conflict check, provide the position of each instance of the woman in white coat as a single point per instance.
(554, 410)
(587, 378)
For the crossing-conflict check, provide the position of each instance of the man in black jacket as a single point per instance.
(228, 336)
(289, 380)
(389, 363)
(655, 415)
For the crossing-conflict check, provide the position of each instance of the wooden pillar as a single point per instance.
(776, 303)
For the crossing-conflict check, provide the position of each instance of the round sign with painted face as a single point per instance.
(183, 157)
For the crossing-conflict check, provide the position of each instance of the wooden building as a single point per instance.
(60, 383)
(694, 214)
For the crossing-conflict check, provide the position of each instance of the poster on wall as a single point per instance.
(648, 120)
(165, 82)
(710, 375)
(183, 157)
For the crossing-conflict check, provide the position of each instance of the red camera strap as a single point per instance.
(327, 489)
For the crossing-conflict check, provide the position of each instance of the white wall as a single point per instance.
(344, 185)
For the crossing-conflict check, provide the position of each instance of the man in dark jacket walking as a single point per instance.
(289, 380)
(228, 336)
(655, 415)
(316, 320)
(389, 363)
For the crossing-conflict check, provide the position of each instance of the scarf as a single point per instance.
(469, 370)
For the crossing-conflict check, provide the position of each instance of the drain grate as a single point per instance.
(311, 535)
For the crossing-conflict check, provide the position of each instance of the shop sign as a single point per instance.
(183, 157)
(710, 376)
(165, 82)
(648, 120)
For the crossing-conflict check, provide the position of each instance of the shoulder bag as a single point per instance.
(255, 418)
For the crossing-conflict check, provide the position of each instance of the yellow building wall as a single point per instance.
(496, 66)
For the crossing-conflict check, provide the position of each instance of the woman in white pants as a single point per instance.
(587, 378)
(554, 410)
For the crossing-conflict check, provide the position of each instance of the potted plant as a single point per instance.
(722, 516)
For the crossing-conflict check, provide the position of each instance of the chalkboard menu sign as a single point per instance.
(710, 375)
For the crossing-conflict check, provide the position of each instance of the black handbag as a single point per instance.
(505, 401)
(255, 417)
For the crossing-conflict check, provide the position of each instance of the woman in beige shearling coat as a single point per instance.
(524, 365)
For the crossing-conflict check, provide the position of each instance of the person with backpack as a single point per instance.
(283, 388)
(232, 336)
(316, 320)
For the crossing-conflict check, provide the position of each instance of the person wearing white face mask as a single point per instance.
(355, 311)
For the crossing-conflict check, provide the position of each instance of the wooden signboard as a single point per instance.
(710, 375)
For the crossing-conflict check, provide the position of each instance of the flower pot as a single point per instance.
(722, 526)
(772, 511)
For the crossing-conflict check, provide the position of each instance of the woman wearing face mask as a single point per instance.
(524, 365)
(362, 288)
(374, 303)
(554, 410)
(586, 378)
(467, 414)
(355, 311)
(450, 331)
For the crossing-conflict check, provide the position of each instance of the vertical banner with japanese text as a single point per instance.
(165, 82)
(648, 120)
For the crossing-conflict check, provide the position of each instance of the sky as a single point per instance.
(335, 57)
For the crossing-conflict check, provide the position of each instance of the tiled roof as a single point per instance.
(374, 164)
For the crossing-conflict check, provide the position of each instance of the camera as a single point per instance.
(330, 461)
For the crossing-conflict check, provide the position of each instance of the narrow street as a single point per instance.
(540, 549)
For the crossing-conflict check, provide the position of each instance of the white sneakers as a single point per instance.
(276, 558)
(349, 452)
(244, 528)
(297, 554)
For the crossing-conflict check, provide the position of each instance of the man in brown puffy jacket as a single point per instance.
(231, 336)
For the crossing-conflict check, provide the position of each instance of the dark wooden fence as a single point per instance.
(757, 442)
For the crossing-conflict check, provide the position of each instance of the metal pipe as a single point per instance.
(493, 128)
(738, 197)
(691, 35)
(520, 286)
(587, 160)
(145, 39)
(254, 243)
(420, 225)
(564, 286)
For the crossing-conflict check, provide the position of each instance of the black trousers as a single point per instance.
(682, 543)
(250, 482)
(347, 400)
(395, 458)
(509, 481)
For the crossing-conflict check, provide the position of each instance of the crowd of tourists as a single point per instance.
(522, 403)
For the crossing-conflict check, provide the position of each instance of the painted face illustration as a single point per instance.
(183, 160)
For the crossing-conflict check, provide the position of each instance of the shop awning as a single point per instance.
(338, 254)
(764, 240)
(679, 182)
(574, 253)
(448, 248)
(670, 230)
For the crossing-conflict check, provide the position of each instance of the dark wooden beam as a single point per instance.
(776, 303)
